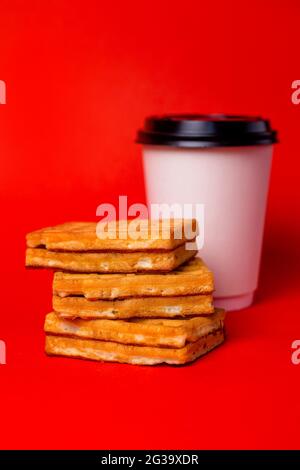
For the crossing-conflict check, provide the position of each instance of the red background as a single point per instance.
(81, 76)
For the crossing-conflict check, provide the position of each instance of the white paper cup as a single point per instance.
(231, 182)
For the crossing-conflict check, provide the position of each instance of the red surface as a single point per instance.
(81, 76)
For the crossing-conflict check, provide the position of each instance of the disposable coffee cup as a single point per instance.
(221, 163)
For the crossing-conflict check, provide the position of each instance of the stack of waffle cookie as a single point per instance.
(141, 300)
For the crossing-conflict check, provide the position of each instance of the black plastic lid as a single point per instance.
(206, 130)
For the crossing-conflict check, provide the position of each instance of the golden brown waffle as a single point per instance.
(190, 279)
(82, 236)
(109, 262)
(161, 307)
(150, 332)
(116, 352)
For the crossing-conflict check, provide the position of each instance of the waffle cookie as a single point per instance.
(117, 352)
(134, 307)
(164, 234)
(149, 332)
(190, 279)
(109, 262)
